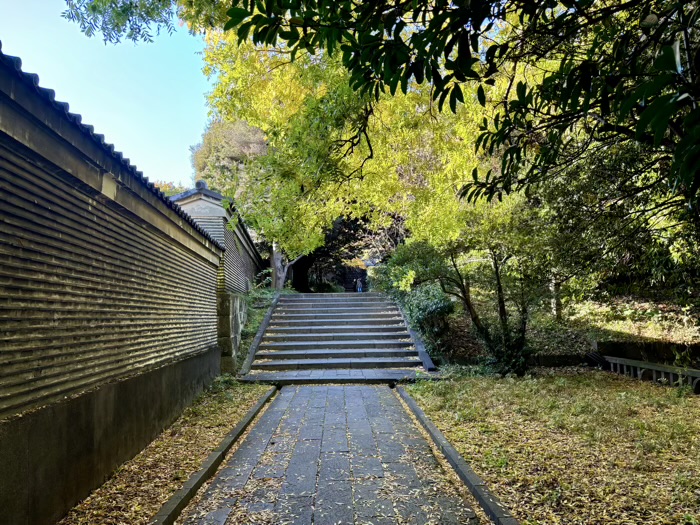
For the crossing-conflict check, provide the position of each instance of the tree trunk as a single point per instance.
(524, 314)
(555, 288)
(502, 312)
(464, 295)
(279, 268)
(279, 271)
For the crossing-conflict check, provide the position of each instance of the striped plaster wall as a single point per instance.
(241, 265)
(86, 295)
(101, 277)
(241, 261)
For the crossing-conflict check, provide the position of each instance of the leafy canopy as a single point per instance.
(607, 69)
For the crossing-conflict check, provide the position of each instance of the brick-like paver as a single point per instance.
(332, 455)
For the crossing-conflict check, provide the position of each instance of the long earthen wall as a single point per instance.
(108, 305)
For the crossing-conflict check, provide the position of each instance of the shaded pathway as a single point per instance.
(332, 455)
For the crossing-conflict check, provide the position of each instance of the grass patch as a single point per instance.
(631, 319)
(576, 446)
(138, 488)
(620, 319)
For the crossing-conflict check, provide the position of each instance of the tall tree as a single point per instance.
(606, 69)
(225, 148)
(315, 171)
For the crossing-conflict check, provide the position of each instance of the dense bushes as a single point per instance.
(427, 309)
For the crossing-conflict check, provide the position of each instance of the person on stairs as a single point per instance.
(358, 285)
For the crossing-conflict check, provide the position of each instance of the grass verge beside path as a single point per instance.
(137, 489)
(576, 446)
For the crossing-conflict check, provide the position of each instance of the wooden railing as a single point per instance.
(673, 375)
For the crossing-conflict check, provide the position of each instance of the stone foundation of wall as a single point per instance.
(54, 456)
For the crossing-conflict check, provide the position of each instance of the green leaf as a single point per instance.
(441, 101)
(236, 16)
(677, 55)
(644, 92)
(405, 76)
(419, 71)
(669, 58)
(243, 32)
(394, 82)
(458, 93)
(481, 95)
(656, 116)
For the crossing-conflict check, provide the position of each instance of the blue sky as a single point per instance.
(149, 100)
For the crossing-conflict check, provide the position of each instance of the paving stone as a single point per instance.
(303, 469)
(334, 466)
(215, 517)
(230, 480)
(314, 431)
(390, 448)
(334, 503)
(373, 409)
(335, 420)
(275, 469)
(369, 502)
(376, 520)
(306, 453)
(412, 512)
(334, 440)
(363, 446)
(424, 459)
(300, 482)
(382, 425)
(454, 513)
(318, 401)
(315, 412)
(294, 510)
(406, 477)
(367, 467)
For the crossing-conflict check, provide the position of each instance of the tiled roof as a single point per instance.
(200, 189)
(14, 64)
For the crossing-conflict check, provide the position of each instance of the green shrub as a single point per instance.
(427, 309)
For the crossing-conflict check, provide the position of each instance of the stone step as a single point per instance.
(337, 304)
(334, 321)
(355, 316)
(334, 298)
(287, 310)
(360, 362)
(334, 354)
(341, 336)
(316, 337)
(305, 328)
(321, 296)
(337, 375)
(335, 345)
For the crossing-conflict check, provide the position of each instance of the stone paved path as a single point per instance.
(336, 455)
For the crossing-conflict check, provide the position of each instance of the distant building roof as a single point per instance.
(200, 188)
(14, 64)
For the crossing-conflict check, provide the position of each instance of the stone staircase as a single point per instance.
(336, 337)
